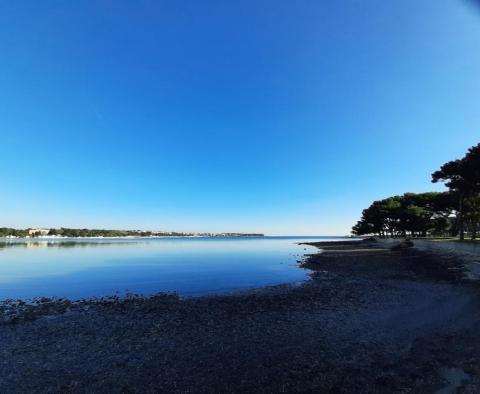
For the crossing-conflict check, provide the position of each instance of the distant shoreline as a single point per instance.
(56, 237)
(48, 238)
(143, 235)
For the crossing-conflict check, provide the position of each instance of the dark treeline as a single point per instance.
(455, 212)
(85, 232)
(410, 214)
(73, 232)
(13, 232)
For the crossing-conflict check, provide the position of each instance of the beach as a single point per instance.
(372, 318)
(240, 197)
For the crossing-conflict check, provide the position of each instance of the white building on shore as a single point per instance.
(38, 231)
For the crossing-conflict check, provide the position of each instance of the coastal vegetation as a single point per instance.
(414, 214)
(454, 213)
(90, 233)
(12, 232)
(73, 233)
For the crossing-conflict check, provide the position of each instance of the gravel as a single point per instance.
(383, 322)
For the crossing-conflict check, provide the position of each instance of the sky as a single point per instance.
(274, 116)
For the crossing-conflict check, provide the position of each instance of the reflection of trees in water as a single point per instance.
(62, 244)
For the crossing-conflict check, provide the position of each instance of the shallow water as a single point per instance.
(78, 268)
(455, 377)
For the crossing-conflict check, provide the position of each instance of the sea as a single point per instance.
(189, 266)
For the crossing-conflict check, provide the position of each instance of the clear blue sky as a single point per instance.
(285, 117)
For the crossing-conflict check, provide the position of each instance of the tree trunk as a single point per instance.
(460, 218)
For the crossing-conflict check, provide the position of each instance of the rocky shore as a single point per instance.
(372, 319)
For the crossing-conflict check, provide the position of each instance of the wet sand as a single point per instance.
(371, 319)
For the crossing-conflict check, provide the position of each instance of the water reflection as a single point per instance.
(76, 268)
(56, 244)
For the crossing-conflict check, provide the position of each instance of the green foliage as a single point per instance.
(431, 213)
(6, 231)
(411, 213)
(462, 177)
(73, 233)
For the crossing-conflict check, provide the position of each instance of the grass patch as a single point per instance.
(448, 239)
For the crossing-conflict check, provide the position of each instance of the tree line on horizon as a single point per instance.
(455, 212)
(85, 232)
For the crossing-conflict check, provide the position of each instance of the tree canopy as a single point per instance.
(409, 214)
(462, 177)
(456, 211)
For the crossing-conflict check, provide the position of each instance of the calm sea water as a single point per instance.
(190, 266)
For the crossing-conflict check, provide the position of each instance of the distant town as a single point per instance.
(6, 232)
